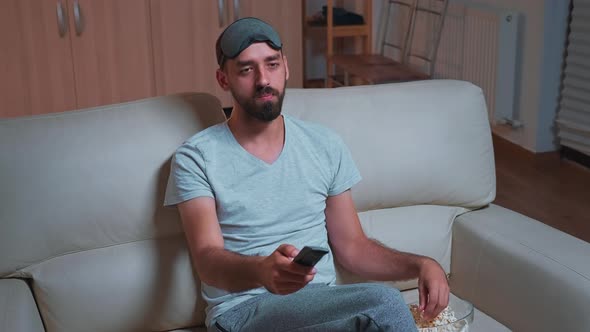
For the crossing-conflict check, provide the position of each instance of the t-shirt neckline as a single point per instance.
(243, 151)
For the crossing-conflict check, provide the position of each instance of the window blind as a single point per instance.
(573, 118)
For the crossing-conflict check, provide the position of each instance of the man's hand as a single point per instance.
(433, 288)
(280, 275)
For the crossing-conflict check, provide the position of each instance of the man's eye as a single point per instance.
(246, 70)
(273, 64)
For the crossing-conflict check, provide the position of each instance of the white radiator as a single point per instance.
(480, 45)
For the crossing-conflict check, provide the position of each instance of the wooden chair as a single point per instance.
(361, 32)
(415, 56)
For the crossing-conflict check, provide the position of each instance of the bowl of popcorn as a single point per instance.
(456, 317)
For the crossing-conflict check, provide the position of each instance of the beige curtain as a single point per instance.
(573, 119)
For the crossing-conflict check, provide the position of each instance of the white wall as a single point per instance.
(543, 43)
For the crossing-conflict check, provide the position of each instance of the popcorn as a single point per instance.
(440, 322)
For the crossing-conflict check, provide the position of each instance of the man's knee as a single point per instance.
(389, 309)
(385, 296)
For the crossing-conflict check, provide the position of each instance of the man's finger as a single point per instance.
(445, 298)
(301, 269)
(288, 250)
(437, 309)
(287, 276)
(432, 303)
(422, 296)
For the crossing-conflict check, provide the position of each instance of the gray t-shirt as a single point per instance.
(261, 206)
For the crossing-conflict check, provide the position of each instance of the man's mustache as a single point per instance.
(265, 90)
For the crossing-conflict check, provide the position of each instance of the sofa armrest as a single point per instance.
(18, 311)
(525, 274)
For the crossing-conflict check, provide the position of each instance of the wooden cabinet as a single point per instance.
(185, 31)
(184, 34)
(59, 55)
(69, 54)
(286, 17)
(112, 51)
(36, 74)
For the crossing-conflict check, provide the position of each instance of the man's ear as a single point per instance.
(222, 79)
(286, 67)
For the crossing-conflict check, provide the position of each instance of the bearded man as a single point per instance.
(256, 189)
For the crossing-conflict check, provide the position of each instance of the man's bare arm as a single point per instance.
(371, 260)
(352, 247)
(231, 271)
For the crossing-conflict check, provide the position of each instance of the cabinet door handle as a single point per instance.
(236, 9)
(62, 27)
(78, 19)
(221, 12)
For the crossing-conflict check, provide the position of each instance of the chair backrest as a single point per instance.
(417, 25)
(402, 20)
(430, 18)
(361, 30)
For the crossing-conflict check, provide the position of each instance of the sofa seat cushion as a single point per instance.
(481, 321)
(421, 229)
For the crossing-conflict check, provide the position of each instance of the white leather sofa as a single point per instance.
(85, 244)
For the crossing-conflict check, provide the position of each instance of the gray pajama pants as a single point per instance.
(356, 307)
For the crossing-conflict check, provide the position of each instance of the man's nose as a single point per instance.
(262, 77)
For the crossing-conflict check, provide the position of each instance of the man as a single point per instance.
(254, 190)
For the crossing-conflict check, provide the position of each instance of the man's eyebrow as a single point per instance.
(244, 63)
(272, 57)
(269, 58)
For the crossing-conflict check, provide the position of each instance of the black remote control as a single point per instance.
(309, 256)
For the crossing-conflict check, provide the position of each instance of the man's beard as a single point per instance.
(266, 111)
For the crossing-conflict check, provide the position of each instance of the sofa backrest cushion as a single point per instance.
(426, 142)
(81, 192)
